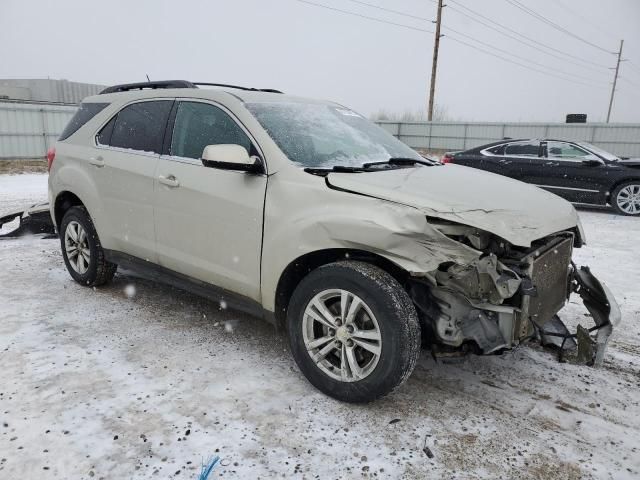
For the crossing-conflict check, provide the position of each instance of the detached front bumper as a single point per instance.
(589, 344)
(497, 303)
(34, 219)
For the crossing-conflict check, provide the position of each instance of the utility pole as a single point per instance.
(615, 80)
(434, 65)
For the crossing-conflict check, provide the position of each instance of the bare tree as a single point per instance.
(440, 114)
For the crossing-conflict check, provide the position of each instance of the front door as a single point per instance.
(208, 220)
(573, 173)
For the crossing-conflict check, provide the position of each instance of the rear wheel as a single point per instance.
(82, 251)
(353, 331)
(625, 199)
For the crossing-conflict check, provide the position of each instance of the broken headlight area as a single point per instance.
(509, 295)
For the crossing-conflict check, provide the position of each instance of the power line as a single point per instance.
(457, 40)
(598, 26)
(492, 25)
(560, 28)
(512, 54)
(374, 19)
(462, 42)
(397, 12)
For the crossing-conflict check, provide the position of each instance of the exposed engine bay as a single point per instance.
(509, 295)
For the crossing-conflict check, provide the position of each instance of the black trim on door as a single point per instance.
(168, 130)
(157, 273)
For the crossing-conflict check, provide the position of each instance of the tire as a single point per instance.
(625, 198)
(383, 310)
(87, 265)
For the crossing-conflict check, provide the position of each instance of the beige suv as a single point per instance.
(305, 213)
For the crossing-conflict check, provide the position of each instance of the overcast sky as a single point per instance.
(313, 51)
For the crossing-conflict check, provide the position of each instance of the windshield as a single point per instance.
(324, 136)
(598, 151)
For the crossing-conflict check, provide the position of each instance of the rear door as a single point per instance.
(129, 146)
(521, 160)
(489, 159)
(208, 220)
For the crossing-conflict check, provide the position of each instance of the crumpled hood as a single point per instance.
(518, 212)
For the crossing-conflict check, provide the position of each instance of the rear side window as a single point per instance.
(85, 113)
(499, 150)
(200, 124)
(526, 149)
(140, 126)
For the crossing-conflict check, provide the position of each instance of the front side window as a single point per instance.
(200, 124)
(563, 150)
(523, 149)
(141, 126)
(85, 113)
(318, 135)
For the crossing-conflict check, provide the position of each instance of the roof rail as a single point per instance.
(125, 87)
(248, 89)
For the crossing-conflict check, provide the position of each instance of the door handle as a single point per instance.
(504, 161)
(552, 164)
(97, 161)
(169, 181)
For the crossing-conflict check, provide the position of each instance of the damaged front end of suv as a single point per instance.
(510, 294)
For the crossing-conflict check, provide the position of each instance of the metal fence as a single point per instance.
(621, 139)
(27, 129)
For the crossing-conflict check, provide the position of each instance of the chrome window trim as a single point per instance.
(185, 160)
(568, 188)
(487, 153)
(571, 159)
(122, 107)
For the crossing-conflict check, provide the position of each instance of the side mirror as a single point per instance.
(592, 162)
(230, 157)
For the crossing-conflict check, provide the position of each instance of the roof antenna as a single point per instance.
(147, 75)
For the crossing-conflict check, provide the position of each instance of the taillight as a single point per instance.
(448, 158)
(51, 155)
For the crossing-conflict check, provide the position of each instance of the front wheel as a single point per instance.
(353, 331)
(625, 199)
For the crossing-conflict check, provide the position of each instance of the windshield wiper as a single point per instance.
(335, 168)
(401, 162)
(371, 166)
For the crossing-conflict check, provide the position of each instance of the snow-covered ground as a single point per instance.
(139, 380)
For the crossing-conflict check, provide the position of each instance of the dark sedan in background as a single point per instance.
(577, 171)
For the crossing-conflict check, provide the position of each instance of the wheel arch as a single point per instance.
(63, 202)
(617, 183)
(299, 268)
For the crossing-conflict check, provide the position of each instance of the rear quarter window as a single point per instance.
(85, 113)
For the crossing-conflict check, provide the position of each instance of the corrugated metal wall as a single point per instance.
(620, 139)
(28, 129)
(47, 90)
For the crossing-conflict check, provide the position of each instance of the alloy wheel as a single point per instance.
(76, 246)
(628, 199)
(341, 335)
